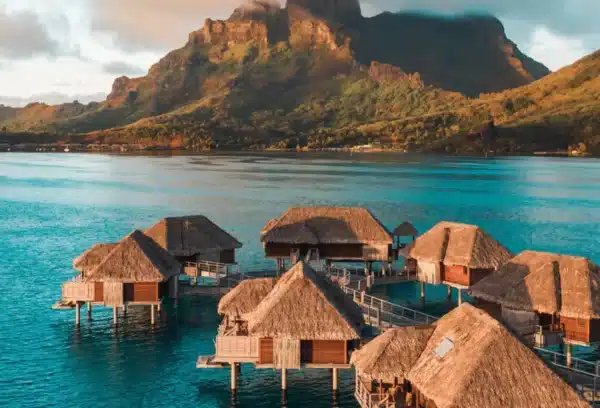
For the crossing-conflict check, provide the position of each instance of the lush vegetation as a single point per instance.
(254, 96)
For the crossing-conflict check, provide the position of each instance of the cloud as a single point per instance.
(554, 49)
(565, 17)
(119, 68)
(23, 36)
(155, 24)
(51, 98)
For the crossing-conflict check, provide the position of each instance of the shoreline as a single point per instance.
(332, 151)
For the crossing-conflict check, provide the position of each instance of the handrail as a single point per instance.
(368, 399)
(388, 308)
(579, 365)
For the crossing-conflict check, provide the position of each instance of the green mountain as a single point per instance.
(318, 74)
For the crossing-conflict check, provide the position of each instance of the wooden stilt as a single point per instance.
(89, 310)
(569, 353)
(335, 379)
(77, 314)
(115, 316)
(423, 292)
(460, 297)
(159, 307)
(233, 377)
(152, 315)
(449, 296)
(283, 379)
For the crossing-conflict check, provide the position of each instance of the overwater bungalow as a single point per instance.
(137, 271)
(458, 255)
(205, 249)
(469, 360)
(304, 321)
(404, 230)
(382, 365)
(548, 294)
(331, 234)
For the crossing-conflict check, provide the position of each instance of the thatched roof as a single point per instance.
(545, 283)
(245, 297)
(136, 258)
(305, 305)
(92, 256)
(191, 235)
(406, 229)
(459, 244)
(391, 354)
(326, 225)
(485, 366)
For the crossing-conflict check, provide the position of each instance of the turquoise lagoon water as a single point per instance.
(55, 206)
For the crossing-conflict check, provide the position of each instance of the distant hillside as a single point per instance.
(317, 75)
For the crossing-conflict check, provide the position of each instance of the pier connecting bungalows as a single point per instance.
(469, 360)
(458, 255)
(197, 243)
(546, 294)
(332, 234)
(304, 321)
(137, 271)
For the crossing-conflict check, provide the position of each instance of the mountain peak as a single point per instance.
(255, 10)
(333, 10)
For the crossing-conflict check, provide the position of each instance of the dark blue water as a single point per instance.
(55, 206)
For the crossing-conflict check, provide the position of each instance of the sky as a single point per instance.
(57, 51)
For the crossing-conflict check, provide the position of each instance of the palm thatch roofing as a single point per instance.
(245, 297)
(136, 258)
(545, 283)
(92, 256)
(392, 354)
(406, 229)
(326, 225)
(191, 235)
(472, 361)
(306, 306)
(452, 243)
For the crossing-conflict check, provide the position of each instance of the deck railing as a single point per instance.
(383, 313)
(583, 375)
(368, 399)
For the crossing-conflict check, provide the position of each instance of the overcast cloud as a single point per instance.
(22, 35)
(50, 48)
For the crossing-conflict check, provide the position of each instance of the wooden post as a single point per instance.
(159, 307)
(423, 292)
(379, 315)
(569, 354)
(383, 268)
(77, 313)
(449, 293)
(460, 297)
(152, 315)
(89, 310)
(115, 316)
(233, 377)
(283, 379)
(335, 379)
(366, 268)
(362, 297)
